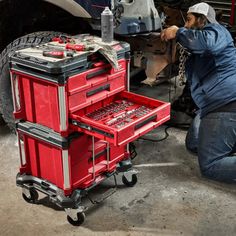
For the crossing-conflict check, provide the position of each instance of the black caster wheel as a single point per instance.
(129, 183)
(33, 196)
(79, 221)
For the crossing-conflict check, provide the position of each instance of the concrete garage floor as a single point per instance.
(170, 198)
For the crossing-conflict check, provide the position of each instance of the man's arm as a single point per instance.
(169, 33)
(207, 40)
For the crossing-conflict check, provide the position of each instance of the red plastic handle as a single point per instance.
(54, 54)
(76, 47)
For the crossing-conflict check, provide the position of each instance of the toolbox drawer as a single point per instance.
(82, 97)
(121, 118)
(91, 77)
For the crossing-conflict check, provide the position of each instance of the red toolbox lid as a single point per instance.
(121, 118)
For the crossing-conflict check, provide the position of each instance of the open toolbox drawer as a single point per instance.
(121, 118)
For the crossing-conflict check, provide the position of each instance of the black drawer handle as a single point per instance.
(97, 90)
(141, 124)
(96, 73)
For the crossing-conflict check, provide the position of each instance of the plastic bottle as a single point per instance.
(107, 25)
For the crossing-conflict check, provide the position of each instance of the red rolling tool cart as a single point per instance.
(75, 119)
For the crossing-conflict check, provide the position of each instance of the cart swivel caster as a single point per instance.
(77, 222)
(129, 180)
(30, 196)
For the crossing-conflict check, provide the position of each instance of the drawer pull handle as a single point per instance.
(141, 124)
(97, 90)
(96, 73)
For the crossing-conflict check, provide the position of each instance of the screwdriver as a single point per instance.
(57, 39)
(57, 54)
(62, 39)
(78, 47)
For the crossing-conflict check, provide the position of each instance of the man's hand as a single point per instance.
(169, 33)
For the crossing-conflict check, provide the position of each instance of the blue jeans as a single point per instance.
(213, 139)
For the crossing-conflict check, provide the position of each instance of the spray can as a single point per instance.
(107, 25)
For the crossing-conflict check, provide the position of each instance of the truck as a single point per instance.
(28, 23)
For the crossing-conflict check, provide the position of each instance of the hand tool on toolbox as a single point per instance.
(79, 47)
(57, 54)
(62, 39)
(53, 53)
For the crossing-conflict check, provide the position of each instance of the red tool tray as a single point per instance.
(121, 118)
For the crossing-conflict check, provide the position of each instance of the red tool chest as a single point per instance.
(69, 163)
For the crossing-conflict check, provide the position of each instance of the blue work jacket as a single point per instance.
(211, 67)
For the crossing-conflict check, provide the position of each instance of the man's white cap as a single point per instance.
(204, 9)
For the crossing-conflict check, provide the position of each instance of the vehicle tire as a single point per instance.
(79, 221)
(33, 196)
(130, 183)
(6, 104)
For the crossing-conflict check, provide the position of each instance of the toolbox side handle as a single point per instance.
(39, 133)
(141, 124)
(96, 73)
(97, 90)
(45, 134)
(19, 111)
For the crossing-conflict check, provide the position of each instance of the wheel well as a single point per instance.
(18, 18)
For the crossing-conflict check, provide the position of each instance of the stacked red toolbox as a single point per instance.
(76, 118)
(46, 90)
(64, 162)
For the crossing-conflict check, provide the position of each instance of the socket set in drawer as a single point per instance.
(119, 113)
